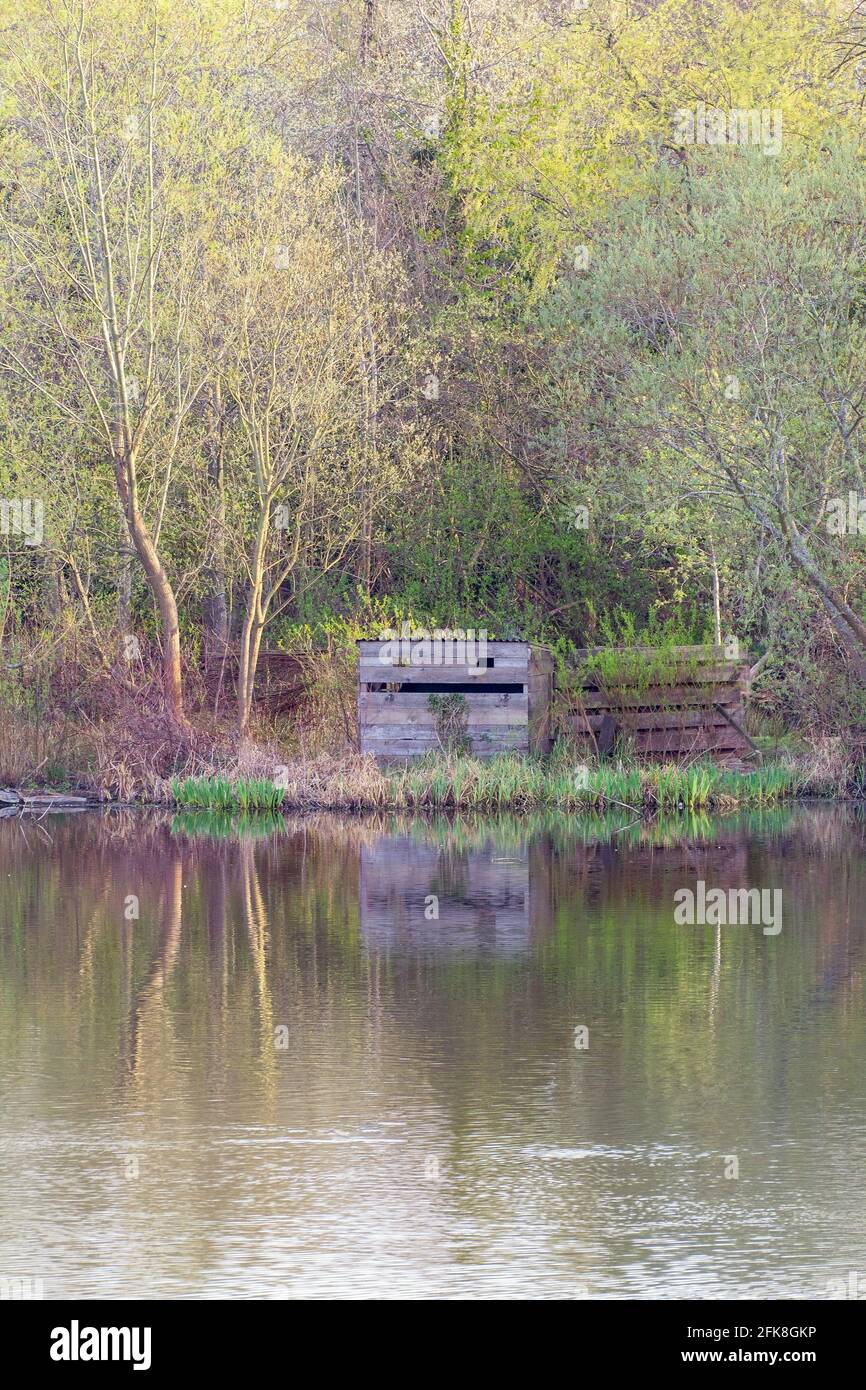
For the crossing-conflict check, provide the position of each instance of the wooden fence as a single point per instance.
(678, 703)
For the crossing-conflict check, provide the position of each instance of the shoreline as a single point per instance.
(355, 784)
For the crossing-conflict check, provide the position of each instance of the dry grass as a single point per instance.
(828, 767)
(352, 783)
(343, 781)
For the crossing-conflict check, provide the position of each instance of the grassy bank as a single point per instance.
(505, 783)
(244, 794)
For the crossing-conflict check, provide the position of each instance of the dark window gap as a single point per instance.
(458, 688)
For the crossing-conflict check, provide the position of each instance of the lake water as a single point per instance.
(451, 1059)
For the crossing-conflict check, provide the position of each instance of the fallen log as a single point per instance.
(58, 799)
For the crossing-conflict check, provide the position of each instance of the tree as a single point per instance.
(727, 324)
(103, 242)
(293, 323)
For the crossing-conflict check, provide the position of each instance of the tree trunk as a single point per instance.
(254, 623)
(160, 587)
(245, 676)
(251, 641)
(124, 575)
(368, 30)
(214, 606)
(717, 598)
(849, 641)
(848, 624)
(214, 610)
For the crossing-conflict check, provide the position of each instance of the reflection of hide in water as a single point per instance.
(609, 873)
(483, 897)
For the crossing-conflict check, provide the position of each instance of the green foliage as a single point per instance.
(451, 713)
(222, 825)
(218, 794)
(508, 782)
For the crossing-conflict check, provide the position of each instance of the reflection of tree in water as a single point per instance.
(148, 1016)
(256, 921)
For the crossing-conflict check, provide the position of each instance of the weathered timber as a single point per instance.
(684, 742)
(701, 673)
(12, 801)
(735, 724)
(399, 716)
(387, 742)
(681, 703)
(659, 697)
(501, 693)
(606, 735)
(370, 674)
(689, 717)
(58, 800)
(700, 652)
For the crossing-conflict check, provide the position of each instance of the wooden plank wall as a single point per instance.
(395, 719)
(676, 714)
